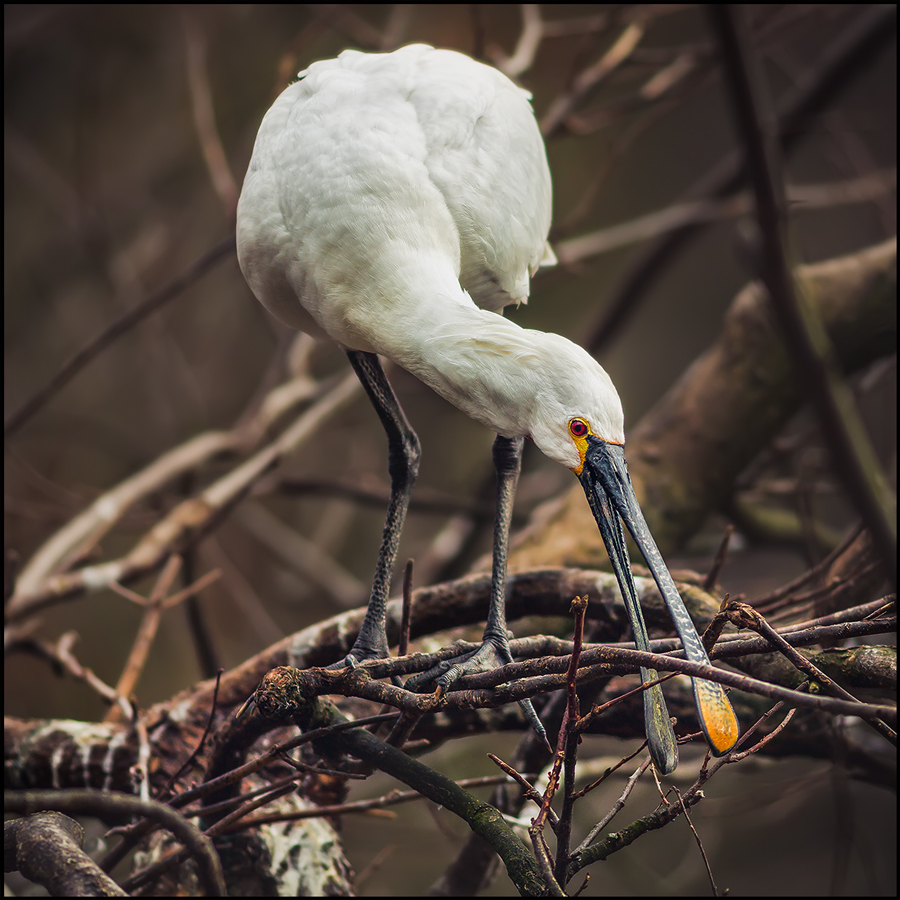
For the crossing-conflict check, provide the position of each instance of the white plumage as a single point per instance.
(395, 203)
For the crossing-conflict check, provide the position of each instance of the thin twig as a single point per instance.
(114, 330)
(143, 640)
(745, 616)
(205, 118)
(393, 798)
(715, 569)
(693, 213)
(528, 790)
(530, 38)
(165, 792)
(61, 654)
(687, 817)
(616, 808)
(572, 739)
(590, 78)
(376, 494)
(403, 647)
(764, 603)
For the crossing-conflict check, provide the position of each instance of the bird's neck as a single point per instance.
(485, 365)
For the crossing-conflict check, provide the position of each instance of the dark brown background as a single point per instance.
(108, 196)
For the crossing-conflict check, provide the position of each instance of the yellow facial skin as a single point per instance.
(579, 431)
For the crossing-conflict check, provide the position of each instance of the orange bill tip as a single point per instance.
(720, 724)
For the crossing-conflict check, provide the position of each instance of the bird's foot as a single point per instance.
(493, 653)
(490, 655)
(370, 643)
(362, 651)
(356, 656)
(366, 647)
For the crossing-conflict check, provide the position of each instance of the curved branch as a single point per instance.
(47, 849)
(111, 804)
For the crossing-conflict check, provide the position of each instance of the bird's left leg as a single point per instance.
(494, 650)
(403, 462)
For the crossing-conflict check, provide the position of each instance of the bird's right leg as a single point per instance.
(403, 462)
(494, 650)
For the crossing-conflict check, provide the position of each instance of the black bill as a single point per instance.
(607, 484)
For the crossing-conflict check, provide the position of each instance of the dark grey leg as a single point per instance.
(494, 651)
(507, 456)
(403, 463)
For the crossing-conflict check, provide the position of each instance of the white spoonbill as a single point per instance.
(395, 203)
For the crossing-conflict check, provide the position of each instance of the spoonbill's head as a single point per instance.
(575, 417)
(578, 421)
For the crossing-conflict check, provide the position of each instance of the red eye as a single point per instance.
(578, 428)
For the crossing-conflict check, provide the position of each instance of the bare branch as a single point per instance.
(204, 116)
